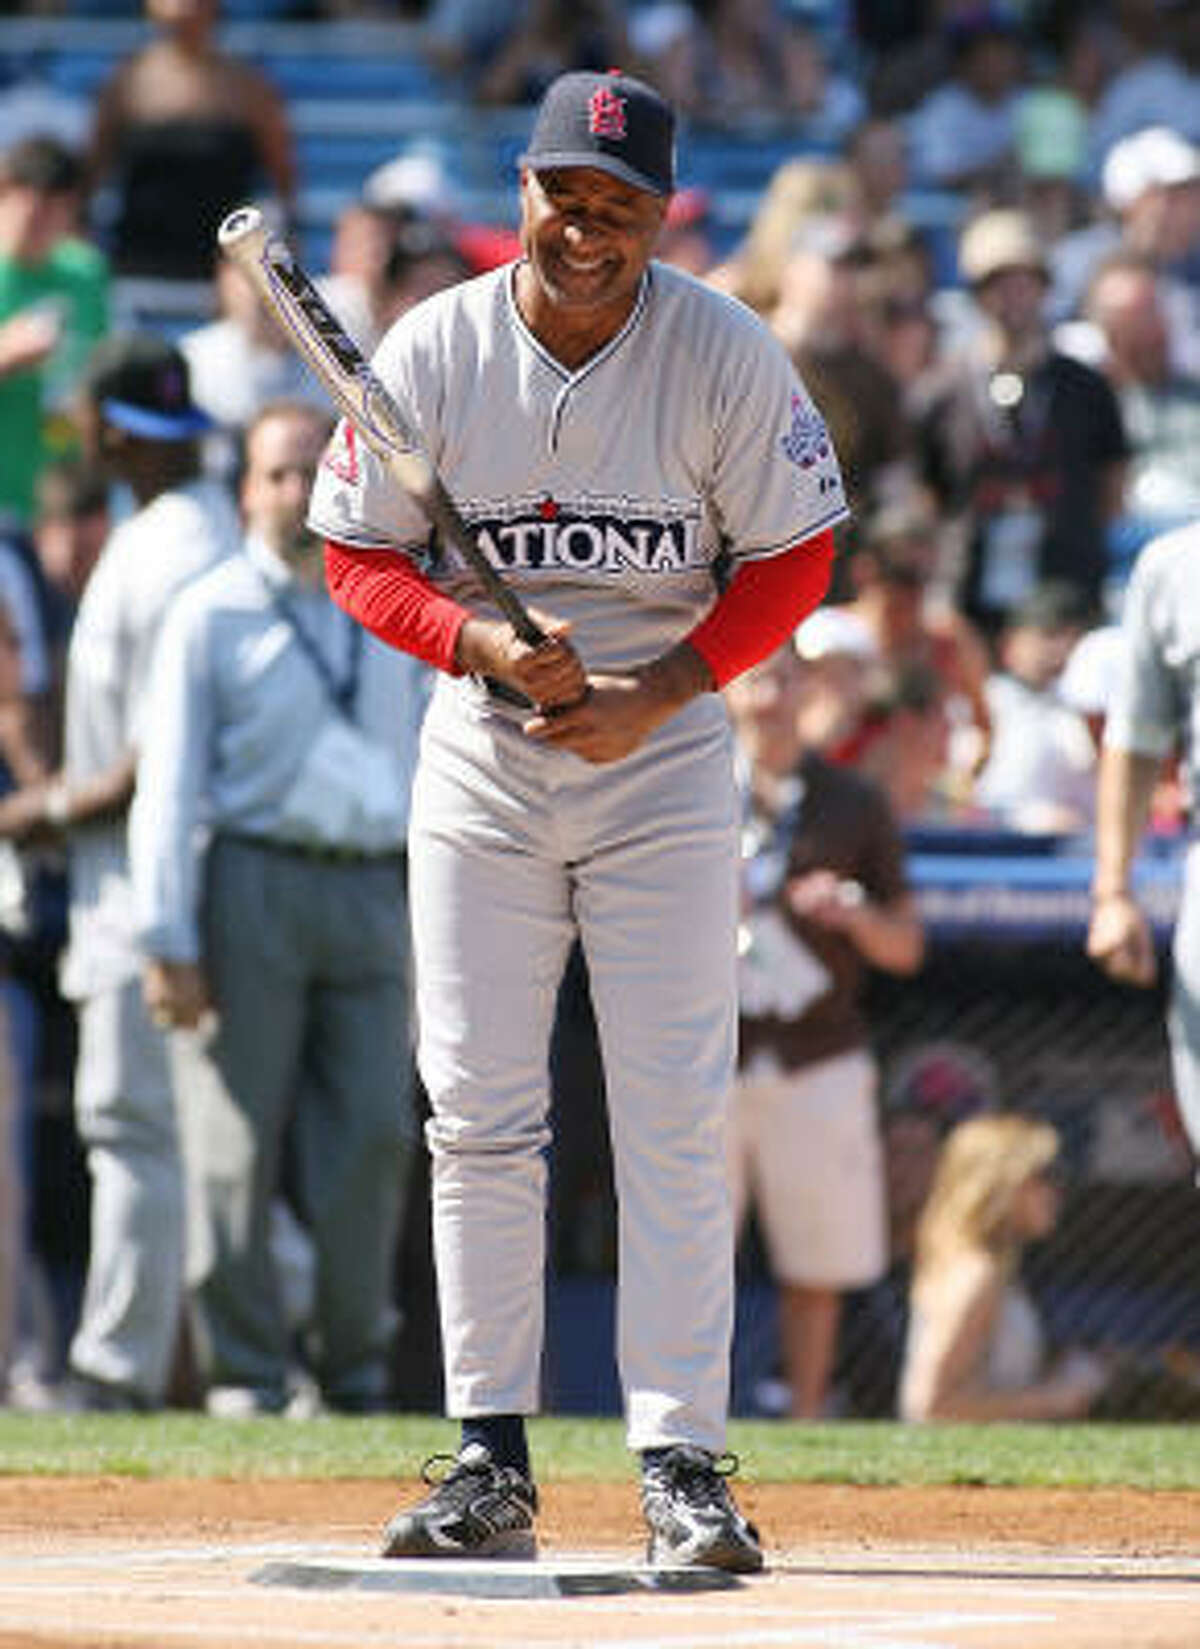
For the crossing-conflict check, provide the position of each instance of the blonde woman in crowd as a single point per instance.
(976, 1347)
(799, 190)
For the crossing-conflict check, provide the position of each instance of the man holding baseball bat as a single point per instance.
(636, 455)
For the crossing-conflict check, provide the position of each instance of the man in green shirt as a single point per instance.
(53, 308)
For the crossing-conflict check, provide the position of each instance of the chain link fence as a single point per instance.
(1006, 1014)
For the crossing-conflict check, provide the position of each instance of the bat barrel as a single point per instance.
(319, 338)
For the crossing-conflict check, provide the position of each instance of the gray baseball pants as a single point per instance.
(514, 848)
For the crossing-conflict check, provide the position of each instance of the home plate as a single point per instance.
(553, 1577)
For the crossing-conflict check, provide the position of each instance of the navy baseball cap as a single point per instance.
(609, 121)
(140, 383)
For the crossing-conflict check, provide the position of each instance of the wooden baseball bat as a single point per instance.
(318, 335)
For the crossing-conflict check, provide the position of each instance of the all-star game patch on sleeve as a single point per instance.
(355, 501)
(777, 479)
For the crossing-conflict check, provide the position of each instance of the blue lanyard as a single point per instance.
(342, 692)
(767, 842)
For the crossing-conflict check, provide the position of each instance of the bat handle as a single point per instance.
(530, 632)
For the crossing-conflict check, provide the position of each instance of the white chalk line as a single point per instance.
(840, 1635)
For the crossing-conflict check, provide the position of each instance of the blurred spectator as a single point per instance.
(977, 1347)
(423, 260)
(32, 106)
(1051, 136)
(1087, 685)
(842, 660)
(362, 239)
(1023, 446)
(461, 37)
(963, 133)
(547, 39)
(687, 236)
(913, 1125)
(910, 49)
(37, 1028)
(901, 597)
(410, 199)
(238, 363)
(72, 524)
(896, 282)
(823, 103)
(1160, 406)
(820, 322)
(668, 39)
(906, 744)
(137, 418)
(26, 727)
(183, 133)
(414, 184)
(1160, 46)
(1041, 767)
(826, 898)
(53, 307)
(1151, 187)
(798, 191)
(283, 741)
(1055, 184)
(741, 64)
(1087, 678)
(876, 157)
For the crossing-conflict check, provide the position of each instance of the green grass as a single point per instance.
(185, 1445)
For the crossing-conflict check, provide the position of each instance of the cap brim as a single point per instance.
(155, 426)
(597, 163)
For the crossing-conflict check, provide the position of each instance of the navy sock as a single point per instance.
(503, 1436)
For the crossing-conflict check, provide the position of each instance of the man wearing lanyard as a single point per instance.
(1022, 446)
(283, 738)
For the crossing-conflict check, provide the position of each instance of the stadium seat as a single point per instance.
(80, 73)
(316, 75)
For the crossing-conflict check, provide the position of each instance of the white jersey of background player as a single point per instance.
(620, 492)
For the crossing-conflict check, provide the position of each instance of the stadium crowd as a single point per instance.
(1012, 384)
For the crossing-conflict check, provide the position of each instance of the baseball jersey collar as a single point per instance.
(603, 353)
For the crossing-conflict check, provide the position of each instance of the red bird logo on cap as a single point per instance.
(606, 113)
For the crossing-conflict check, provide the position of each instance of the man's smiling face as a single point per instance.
(588, 237)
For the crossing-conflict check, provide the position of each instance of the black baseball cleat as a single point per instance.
(691, 1514)
(478, 1509)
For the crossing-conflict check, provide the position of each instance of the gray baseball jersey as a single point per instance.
(614, 496)
(1155, 706)
(608, 496)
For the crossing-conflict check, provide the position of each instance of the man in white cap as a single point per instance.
(1151, 186)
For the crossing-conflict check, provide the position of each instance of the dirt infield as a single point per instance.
(123, 1564)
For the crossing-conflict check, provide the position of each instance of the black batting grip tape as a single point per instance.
(319, 337)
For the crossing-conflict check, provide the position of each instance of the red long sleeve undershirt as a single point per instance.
(761, 606)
